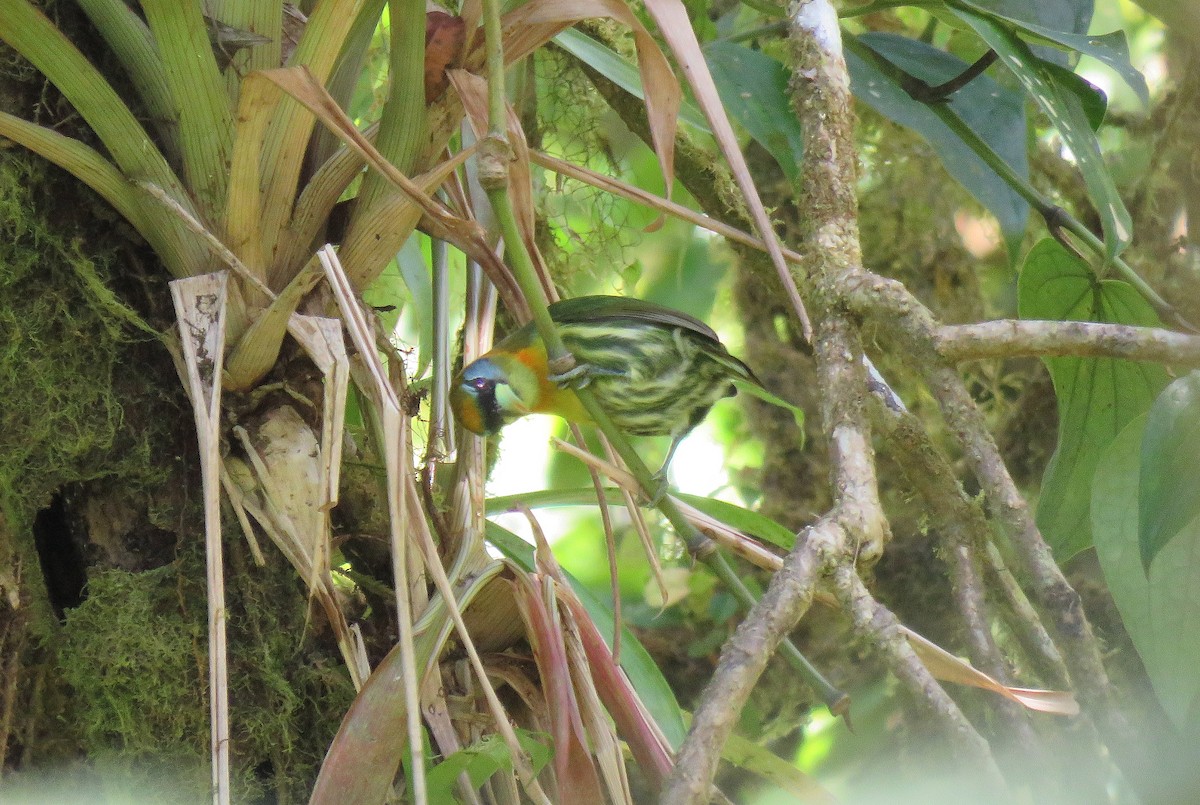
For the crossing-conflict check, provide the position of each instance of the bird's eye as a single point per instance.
(480, 383)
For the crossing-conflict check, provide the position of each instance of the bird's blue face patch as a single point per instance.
(481, 396)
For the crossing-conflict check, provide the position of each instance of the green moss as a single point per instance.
(136, 661)
(135, 654)
(63, 330)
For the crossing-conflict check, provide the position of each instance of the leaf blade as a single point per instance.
(1067, 113)
(1169, 482)
(1097, 397)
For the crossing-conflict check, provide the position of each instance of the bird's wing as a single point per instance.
(589, 309)
(583, 309)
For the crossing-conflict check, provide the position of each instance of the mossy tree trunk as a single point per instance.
(103, 668)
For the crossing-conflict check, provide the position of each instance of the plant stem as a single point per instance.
(494, 178)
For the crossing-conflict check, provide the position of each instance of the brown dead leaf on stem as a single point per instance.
(444, 39)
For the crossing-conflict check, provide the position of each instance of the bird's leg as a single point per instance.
(661, 486)
(581, 374)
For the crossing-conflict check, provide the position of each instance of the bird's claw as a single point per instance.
(659, 489)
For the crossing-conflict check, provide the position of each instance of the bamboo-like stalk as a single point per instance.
(200, 304)
(402, 125)
(391, 426)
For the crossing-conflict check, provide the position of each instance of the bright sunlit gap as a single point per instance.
(525, 451)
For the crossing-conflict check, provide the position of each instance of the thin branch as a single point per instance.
(856, 527)
(743, 659)
(961, 520)
(1083, 339)
(1025, 623)
(877, 624)
(915, 332)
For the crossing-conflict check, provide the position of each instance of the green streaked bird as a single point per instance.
(654, 370)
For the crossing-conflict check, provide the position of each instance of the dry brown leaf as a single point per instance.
(576, 775)
(465, 235)
(444, 38)
(949, 668)
(672, 20)
(200, 306)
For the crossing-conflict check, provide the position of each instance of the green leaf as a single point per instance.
(417, 274)
(1160, 609)
(1097, 397)
(994, 112)
(133, 44)
(1091, 98)
(31, 34)
(1111, 49)
(744, 520)
(480, 761)
(1060, 15)
(625, 75)
(652, 688)
(175, 245)
(754, 88)
(198, 91)
(288, 135)
(1069, 116)
(1169, 497)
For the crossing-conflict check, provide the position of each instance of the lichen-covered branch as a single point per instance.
(1082, 339)
(874, 621)
(743, 659)
(855, 529)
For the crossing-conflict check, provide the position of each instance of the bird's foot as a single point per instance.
(658, 489)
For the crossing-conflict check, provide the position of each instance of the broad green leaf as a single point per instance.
(34, 36)
(1061, 15)
(644, 675)
(1159, 610)
(625, 75)
(1091, 98)
(480, 761)
(1169, 495)
(754, 87)
(1069, 117)
(995, 113)
(1097, 397)
(198, 92)
(1111, 49)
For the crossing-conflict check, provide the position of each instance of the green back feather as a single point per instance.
(599, 309)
